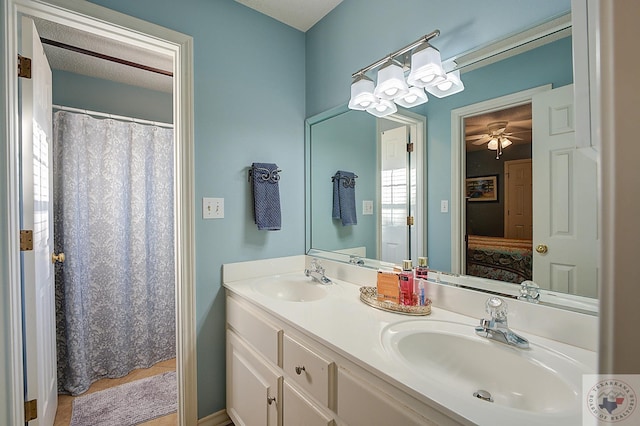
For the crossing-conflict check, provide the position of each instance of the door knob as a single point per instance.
(57, 257)
(542, 249)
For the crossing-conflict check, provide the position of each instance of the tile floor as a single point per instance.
(63, 415)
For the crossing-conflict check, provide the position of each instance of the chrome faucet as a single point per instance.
(496, 328)
(356, 260)
(316, 272)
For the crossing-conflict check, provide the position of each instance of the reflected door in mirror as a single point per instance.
(565, 199)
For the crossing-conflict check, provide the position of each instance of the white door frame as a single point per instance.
(107, 23)
(458, 164)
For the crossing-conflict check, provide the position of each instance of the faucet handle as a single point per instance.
(316, 267)
(529, 291)
(497, 308)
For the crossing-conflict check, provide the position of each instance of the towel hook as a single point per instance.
(267, 175)
(347, 182)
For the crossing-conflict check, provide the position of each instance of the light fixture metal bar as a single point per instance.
(408, 47)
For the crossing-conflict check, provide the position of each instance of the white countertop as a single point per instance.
(353, 329)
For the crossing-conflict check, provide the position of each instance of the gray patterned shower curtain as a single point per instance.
(113, 219)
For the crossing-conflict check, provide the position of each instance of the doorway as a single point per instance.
(460, 172)
(401, 170)
(98, 20)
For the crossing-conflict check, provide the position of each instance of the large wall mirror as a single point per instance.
(503, 84)
(387, 157)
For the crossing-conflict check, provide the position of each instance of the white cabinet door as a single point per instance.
(300, 411)
(361, 403)
(253, 387)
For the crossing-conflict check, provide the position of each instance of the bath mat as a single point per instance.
(128, 404)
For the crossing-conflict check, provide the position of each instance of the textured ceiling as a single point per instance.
(78, 63)
(299, 14)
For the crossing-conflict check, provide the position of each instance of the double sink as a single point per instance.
(451, 356)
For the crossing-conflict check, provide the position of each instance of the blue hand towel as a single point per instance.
(344, 197)
(266, 196)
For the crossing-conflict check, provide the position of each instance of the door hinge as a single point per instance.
(30, 410)
(26, 240)
(24, 67)
(410, 147)
(409, 220)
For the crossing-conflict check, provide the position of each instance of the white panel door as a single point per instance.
(564, 199)
(394, 187)
(37, 215)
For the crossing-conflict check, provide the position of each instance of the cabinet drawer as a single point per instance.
(312, 371)
(298, 410)
(255, 329)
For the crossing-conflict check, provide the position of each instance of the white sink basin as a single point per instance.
(534, 380)
(292, 288)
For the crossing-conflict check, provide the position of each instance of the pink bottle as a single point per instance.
(406, 283)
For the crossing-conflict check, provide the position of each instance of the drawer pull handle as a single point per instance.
(299, 370)
(271, 400)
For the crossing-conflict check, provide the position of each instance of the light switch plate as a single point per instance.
(212, 208)
(367, 207)
(444, 206)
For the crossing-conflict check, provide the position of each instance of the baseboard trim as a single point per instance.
(220, 418)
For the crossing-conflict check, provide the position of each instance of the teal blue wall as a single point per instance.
(346, 142)
(344, 42)
(79, 91)
(249, 107)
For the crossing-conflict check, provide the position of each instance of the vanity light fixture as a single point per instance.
(391, 84)
(451, 85)
(362, 96)
(426, 67)
(425, 73)
(414, 97)
(382, 108)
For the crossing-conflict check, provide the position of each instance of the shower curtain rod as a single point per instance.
(105, 57)
(112, 116)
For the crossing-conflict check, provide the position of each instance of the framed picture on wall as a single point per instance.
(483, 188)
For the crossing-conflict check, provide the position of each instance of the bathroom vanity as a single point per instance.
(300, 351)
